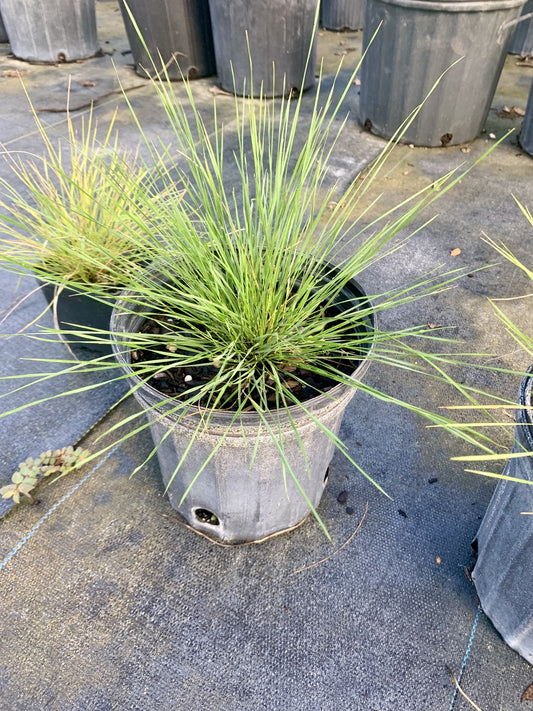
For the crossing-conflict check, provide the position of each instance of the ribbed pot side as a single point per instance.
(418, 41)
(342, 14)
(243, 493)
(176, 35)
(275, 34)
(526, 132)
(51, 31)
(503, 574)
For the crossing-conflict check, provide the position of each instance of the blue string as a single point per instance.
(30, 533)
(467, 654)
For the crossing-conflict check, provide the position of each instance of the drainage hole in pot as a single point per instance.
(192, 73)
(326, 476)
(206, 516)
(61, 58)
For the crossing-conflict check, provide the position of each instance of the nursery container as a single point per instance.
(51, 31)
(276, 35)
(177, 34)
(419, 40)
(243, 493)
(3, 33)
(522, 40)
(78, 311)
(526, 133)
(503, 574)
(342, 14)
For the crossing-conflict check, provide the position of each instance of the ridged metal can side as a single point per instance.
(417, 42)
(522, 40)
(273, 37)
(52, 31)
(243, 493)
(342, 14)
(503, 574)
(177, 35)
(526, 132)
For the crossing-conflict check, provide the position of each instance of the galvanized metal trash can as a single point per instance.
(342, 14)
(417, 42)
(503, 574)
(51, 31)
(274, 36)
(177, 35)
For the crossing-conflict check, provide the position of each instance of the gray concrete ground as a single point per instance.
(108, 602)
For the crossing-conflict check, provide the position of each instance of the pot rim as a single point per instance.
(158, 401)
(455, 5)
(525, 400)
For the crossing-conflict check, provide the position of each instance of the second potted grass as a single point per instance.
(67, 215)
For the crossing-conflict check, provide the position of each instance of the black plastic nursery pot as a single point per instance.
(177, 35)
(522, 40)
(243, 493)
(3, 33)
(78, 311)
(342, 14)
(503, 574)
(417, 42)
(51, 31)
(526, 132)
(275, 37)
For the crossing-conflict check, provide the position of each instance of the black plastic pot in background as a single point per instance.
(272, 35)
(342, 14)
(177, 34)
(3, 33)
(74, 310)
(526, 133)
(503, 574)
(417, 42)
(52, 31)
(522, 41)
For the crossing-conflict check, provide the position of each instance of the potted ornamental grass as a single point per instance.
(503, 574)
(245, 333)
(67, 215)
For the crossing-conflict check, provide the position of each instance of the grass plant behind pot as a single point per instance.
(248, 330)
(66, 216)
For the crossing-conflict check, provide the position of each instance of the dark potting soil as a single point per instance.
(176, 381)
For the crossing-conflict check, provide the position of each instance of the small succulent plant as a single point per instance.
(31, 471)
